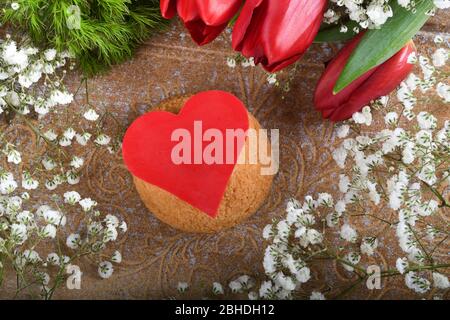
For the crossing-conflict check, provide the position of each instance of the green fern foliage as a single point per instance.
(99, 33)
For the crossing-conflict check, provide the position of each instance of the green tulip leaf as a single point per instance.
(334, 34)
(378, 45)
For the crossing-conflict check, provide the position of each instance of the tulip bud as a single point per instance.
(277, 33)
(205, 19)
(375, 83)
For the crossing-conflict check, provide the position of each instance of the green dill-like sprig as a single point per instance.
(106, 32)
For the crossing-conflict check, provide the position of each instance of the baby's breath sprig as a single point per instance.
(403, 168)
(31, 91)
(357, 15)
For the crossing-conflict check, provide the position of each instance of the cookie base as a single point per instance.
(245, 193)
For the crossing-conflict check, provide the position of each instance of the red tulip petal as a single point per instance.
(205, 20)
(281, 65)
(323, 96)
(168, 8)
(250, 9)
(203, 34)
(326, 113)
(382, 82)
(277, 33)
(218, 12)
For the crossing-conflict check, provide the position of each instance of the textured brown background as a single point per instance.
(155, 256)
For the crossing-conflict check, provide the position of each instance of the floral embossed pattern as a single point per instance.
(157, 257)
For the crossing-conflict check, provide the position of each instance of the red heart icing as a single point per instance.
(148, 145)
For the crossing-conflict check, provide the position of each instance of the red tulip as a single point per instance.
(375, 83)
(205, 19)
(277, 32)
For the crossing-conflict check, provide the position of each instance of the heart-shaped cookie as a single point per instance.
(153, 139)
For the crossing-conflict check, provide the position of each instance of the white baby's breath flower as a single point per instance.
(94, 228)
(342, 131)
(50, 135)
(49, 231)
(402, 264)
(53, 259)
(438, 39)
(343, 29)
(25, 217)
(325, 199)
(248, 62)
(440, 281)
(363, 117)
(116, 257)
(245, 281)
(378, 14)
(123, 226)
(77, 162)
(368, 245)
(65, 142)
(443, 91)
(359, 118)
(272, 78)
(344, 183)
(87, 204)
(28, 183)
(105, 269)
(267, 231)
(51, 184)
(316, 295)
(110, 234)
(102, 139)
(391, 118)
(404, 3)
(442, 4)
(50, 54)
(19, 233)
(14, 156)
(416, 283)
(348, 233)
(340, 155)
(59, 97)
(40, 211)
(111, 220)
(235, 286)
(266, 289)
(14, 57)
(409, 153)
(72, 197)
(374, 196)
(412, 81)
(340, 207)
(53, 217)
(286, 282)
(426, 121)
(64, 260)
(440, 57)
(182, 287)
(352, 259)
(72, 177)
(91, 115)
(69, 133)
(42, 108)
(231, 62)
(303, 275)
(31, 256)
(83, 139)
(217, 288)
(25, 196)
(252, 295)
